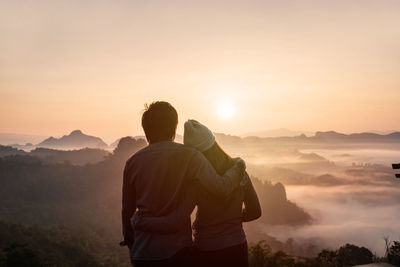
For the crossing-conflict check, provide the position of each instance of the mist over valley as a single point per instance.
(316, 192)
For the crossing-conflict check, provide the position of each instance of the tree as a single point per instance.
(350, 255)
(387, 245)
(394, 253)
(327, 258)
(258, 254)
(17, 255)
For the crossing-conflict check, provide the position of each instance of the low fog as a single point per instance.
(350, 193)
(361, 215)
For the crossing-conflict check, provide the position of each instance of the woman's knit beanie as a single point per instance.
(198, 136)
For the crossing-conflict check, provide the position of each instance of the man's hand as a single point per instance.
(245, 180)
(219, 185)
(239, 163)
(126, 243)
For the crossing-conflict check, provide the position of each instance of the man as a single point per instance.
(154, 180)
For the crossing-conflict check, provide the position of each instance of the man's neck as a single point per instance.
(161, 141)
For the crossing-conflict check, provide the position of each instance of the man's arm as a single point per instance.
(128, 207)
(201, 170)
(252, 207)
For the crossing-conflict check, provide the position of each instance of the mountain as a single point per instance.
(178, 139)
(277, 133)
(13, 138)
(116, 142)
(76, 139)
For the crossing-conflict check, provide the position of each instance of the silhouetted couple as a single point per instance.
(164, 182)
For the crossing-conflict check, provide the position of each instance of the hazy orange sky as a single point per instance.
(303, 65)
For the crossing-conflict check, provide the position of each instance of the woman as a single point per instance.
(217, 230)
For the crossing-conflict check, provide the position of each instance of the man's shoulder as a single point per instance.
(189, 151)
(185, 148)
(170, 146)
(137, 154)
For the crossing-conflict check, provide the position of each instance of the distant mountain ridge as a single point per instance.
(76, 139)
(357, 137)
(331, 136)
(280, 132)
(16, 138)
(320, 138)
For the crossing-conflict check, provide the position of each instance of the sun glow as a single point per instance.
(225, 110)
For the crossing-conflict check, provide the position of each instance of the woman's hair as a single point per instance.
(218, 158)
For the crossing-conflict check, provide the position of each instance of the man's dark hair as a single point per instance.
(159, 121)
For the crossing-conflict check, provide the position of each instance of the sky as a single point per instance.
(236, 66)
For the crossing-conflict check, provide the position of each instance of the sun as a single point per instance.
(225, 110)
